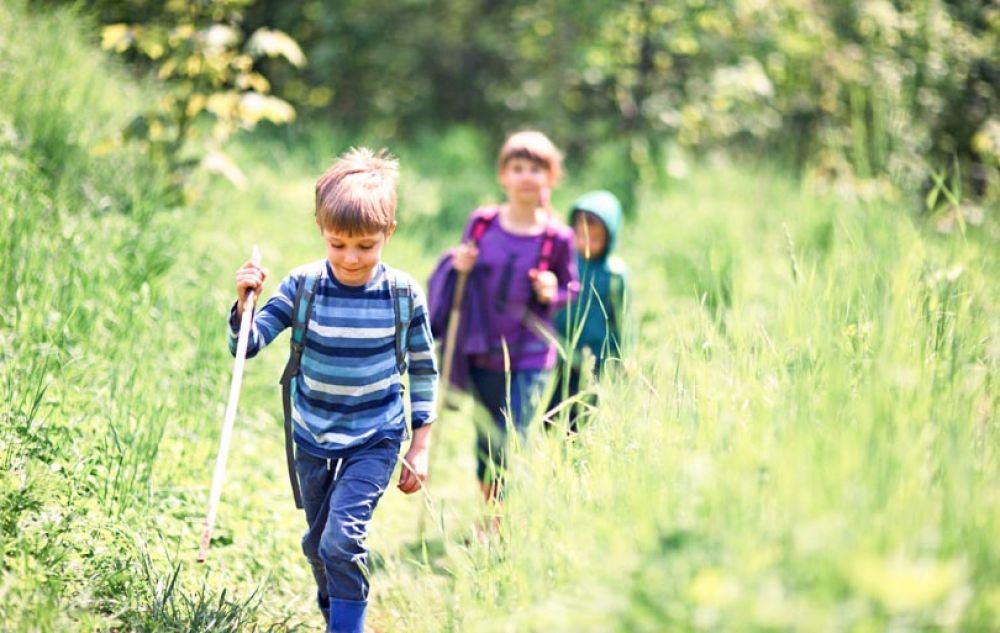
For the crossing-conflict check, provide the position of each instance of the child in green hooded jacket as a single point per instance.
(593, 323)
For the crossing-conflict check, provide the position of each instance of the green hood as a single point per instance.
(605, 206)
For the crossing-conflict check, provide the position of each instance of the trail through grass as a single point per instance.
(803, 437)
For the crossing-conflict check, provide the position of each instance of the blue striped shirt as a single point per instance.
(348, 391)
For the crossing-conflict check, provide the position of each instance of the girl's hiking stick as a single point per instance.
(451, 334)
(227, 424)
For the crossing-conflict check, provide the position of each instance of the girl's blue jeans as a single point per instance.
(526, 387)
(339, 497)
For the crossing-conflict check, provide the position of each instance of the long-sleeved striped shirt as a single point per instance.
(348, 391)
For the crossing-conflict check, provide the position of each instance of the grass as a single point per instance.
(803, 437)
(89, 232)
(814, 448)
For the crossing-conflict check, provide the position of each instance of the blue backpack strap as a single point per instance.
(402, 307)
(301, 311)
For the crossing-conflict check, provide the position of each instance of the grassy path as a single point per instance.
(811, 399)
(259, 527)
(805, 436)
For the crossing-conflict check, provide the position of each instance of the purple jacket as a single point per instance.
(499, 301)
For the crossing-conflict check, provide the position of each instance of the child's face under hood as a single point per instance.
(596, 217)
(591, 235)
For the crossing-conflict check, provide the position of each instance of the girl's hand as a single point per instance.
(463, 258)
(545, 283)
(249, 277)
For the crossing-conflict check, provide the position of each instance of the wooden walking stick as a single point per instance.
(227, 424)
(455, 314)
(451, 334)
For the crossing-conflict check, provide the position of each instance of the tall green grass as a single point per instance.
(804, 436)
(89, 380)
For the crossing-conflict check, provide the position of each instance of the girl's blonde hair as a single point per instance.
(534, 146)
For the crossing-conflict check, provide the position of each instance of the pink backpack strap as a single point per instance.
(483, 222)
(548, 246)
(486, 218)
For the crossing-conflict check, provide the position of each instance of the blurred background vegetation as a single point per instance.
(807, 437)
(881, 96)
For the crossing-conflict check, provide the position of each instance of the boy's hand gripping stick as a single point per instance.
(227, 424)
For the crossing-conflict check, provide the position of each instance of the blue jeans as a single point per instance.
(526, 387)
(339, 497)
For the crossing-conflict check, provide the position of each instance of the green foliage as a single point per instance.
(805, 436)
(814, 451)
(873, 95)
(853, 92)
(175, 609)
(89, 233)
(197, 50)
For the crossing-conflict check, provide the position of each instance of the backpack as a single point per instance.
(402, 303)
(439, 291)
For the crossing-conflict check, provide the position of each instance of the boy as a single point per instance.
(347, 405)
(597, 313)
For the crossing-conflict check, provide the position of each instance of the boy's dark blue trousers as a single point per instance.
(339, 497)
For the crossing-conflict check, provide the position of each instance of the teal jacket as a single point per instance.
(597, 317)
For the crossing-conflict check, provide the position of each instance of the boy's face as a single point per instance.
(591, 235)
(354, 257)
(524, 180)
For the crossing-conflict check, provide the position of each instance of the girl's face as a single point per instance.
(354, 257)
(591, 235)
(524, 180)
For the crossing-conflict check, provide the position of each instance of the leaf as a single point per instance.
(254, 107)
(153, 50)
(117, 37)
(253, 81)
(167, 69)
(986, 140)
(219, 37)
(151, 41)
(223, 104)
(196, 104)
(275, 43)
(181, 33)
(215, 162)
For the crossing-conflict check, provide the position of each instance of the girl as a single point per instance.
(522, 268)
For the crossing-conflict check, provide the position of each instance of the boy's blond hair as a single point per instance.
(357, 194)
(534, 146)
